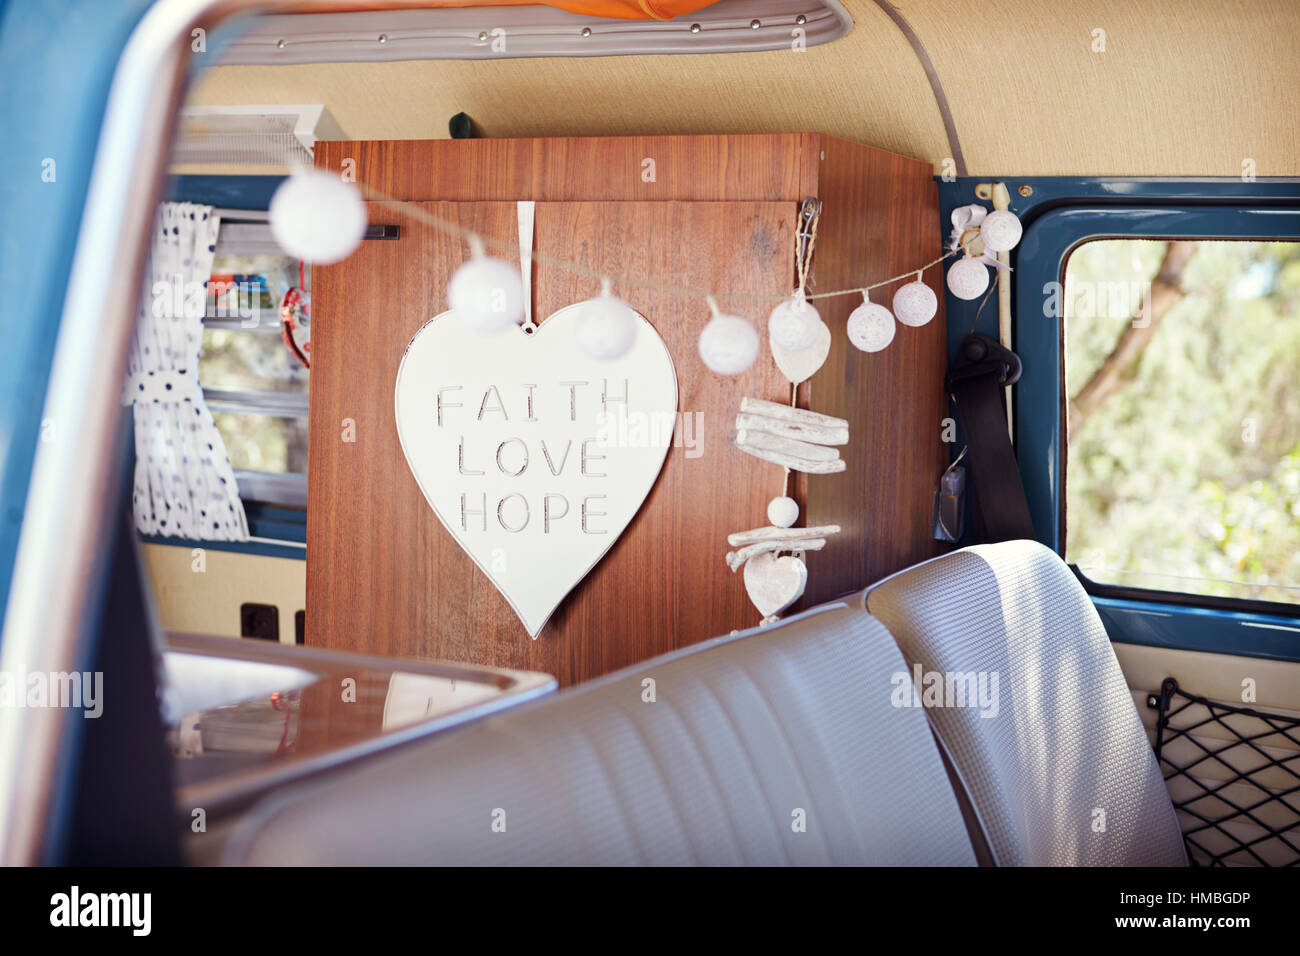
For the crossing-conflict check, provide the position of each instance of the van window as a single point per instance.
(1182, 378)
(254, 385)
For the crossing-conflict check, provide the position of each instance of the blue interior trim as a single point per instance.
(1058, 214)
(1200, 629)
(232, 192)
(284, 531)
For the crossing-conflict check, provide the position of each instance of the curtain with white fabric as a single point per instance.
(184, 485)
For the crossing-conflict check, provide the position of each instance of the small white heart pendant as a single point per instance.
(802, 365)
(774, 583)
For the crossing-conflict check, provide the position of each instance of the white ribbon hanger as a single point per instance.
(527, 217)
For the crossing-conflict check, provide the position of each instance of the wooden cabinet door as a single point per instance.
(383, 575)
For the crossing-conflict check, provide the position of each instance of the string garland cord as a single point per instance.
(794, 403)
(804, 262)
(969, 235)
(983, 302)
(479, 244)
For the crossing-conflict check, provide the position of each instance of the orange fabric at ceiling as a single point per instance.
(613, 9)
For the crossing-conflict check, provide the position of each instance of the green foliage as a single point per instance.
(1188, 479)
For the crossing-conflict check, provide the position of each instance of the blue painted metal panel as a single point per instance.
(1059, 214)
(232, 192)
(1200, 629)
(56, 62)
(283, 534)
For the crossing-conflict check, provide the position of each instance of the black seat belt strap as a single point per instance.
(976, 381)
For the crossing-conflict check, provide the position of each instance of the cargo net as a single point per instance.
(1233, 774)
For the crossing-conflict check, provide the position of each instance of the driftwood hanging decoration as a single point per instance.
(769, 539)
(794, 438)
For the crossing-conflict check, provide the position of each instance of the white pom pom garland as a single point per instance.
(915, 304)
(729, 344)
(487, 293)
(1001, 230)
(793, 324)
(316, 217)
(870, 326)
(968, 278)
(606, 326)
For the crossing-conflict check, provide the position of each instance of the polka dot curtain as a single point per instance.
(184, 485)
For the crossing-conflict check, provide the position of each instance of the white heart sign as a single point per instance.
(534, 456)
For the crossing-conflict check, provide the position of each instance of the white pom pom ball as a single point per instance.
(783, 512)
(728, 345)
(793, 324)
(915, 304)
(317, 217)
(487, 293)
(606, 327)
(968, 278)
(871, 327)
(1001, 230)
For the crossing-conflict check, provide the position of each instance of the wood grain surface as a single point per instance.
(880, 217)
(383, 576)
(767, 167)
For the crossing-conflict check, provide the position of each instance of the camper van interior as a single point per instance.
(631, 433)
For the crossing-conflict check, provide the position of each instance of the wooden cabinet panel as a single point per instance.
(718, 214)
(766, 167)
(880, 217)
(384, 577)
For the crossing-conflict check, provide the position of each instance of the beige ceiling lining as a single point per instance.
(1185, 88)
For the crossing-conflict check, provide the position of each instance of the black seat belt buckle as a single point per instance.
(981, 355)
(950, 503)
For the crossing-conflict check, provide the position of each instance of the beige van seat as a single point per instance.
(778, 746)
(1060, 771)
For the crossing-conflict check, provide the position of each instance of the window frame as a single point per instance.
(248, 232)
(1089, 224)
(277, 528)
(1060, 214)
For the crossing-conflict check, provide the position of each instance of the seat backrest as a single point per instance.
(1054, 757)
(777, 746)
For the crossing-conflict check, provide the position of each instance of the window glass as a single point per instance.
(234, 358)
(1182, 374)
(244, 358)
(257, 442)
